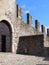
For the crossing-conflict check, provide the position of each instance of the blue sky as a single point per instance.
(39, 9)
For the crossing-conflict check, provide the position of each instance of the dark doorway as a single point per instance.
(3, 39)
(5, 36)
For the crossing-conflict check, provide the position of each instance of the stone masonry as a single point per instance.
(31, 45)
(19, 37)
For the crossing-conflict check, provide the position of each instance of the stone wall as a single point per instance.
(26, 30)
(31, 45)
(9, 11)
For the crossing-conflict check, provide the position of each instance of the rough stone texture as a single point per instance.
(13, 59)
(29, 19)
(48, 32)
(37, 25)
(42, 28)
(31, 45)
(8, 14)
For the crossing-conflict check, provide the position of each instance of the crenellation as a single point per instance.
(42, 28)
(29, 19)
(19, 12)
(37, 25)
(18, 35)
(48, 32)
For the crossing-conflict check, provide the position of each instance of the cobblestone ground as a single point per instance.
(16, 59)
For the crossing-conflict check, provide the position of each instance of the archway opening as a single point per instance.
(5, 36)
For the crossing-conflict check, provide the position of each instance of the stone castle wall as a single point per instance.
(31, 45)
(12, 13)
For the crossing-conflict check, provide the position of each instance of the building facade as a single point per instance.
(12, 28)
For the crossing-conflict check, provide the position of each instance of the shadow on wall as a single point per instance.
(31, 45)
(46, 59)
(47, 55)
(5, 36)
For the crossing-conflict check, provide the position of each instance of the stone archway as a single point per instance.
(5, 36)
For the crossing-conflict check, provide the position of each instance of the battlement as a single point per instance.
(37, 25)
(29, 21)
(48, 32)
(12, 28)
(43, 28)
(19, 12)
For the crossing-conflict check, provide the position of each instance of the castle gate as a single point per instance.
(5, 36)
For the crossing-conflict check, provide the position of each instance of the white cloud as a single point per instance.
(27, 11)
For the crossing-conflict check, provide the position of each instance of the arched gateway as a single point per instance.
(5, 36)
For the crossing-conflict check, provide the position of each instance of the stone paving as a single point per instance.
(16, 59)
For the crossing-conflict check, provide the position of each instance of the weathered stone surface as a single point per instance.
(31, 45)
(8, 15)
(13, 59)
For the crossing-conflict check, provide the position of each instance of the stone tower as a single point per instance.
(7, 25)
(8, 8)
